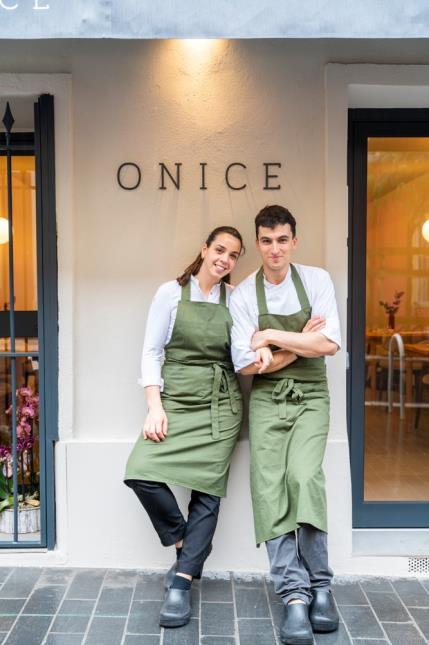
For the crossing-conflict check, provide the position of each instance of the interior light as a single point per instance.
(425, 230)
(4, 231)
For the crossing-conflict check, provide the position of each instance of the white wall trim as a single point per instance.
(362, 86)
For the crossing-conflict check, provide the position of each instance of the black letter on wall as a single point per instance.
(236, 163)
(268, 176)
(176, 181)
(203, 176)
(119, 177)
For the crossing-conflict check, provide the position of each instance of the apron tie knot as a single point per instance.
(220, 384)
(284, 388)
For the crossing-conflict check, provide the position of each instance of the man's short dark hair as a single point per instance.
(272, 216)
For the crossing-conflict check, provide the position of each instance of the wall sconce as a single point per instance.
(4, 230)
(425, 230)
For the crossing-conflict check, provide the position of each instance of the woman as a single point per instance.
(194, 412)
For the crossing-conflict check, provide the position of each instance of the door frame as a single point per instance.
(362, 123)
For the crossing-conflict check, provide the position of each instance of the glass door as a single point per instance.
(389, 306)
(27, 413)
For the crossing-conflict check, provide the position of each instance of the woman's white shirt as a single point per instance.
(160, 323)
(281, 299)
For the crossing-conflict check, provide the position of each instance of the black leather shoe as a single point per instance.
(176, 610)
(323, 613)
(296, 626)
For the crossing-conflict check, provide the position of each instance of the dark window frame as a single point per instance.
(364, 123)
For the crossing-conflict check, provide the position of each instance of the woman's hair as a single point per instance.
(195, 266)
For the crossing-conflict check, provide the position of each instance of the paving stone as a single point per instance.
(216, 590)
(106, 631)
(187, 635)
(149, 587)
(421, 616)
(340, 637)
(114, 601)
(6, 622)
(120, 578)
(388, 607)
(361, 622)
(425, 583)
(278, 614)
(273, 597)
(251, 602)
(4, 572)
(70, 624)
(11, 605)
(20, 583)
(217, 618)
(29, 630)
(86, 584)
(195, 600)
(3, 636)
(367, 641)
(44, 600)
(56, 576)
(131, 639)
(349, 593)
(64, 639)
(217, 640)
(376, 584)
(144, 617)
(77, 607)
(412, 593)
(405, 634)
(242, 580)
(256, 632)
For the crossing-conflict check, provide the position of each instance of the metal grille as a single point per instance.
(418, 565)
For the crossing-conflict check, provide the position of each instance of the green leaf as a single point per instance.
(6, 503)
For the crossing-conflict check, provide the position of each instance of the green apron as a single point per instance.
(202, 400)
(288, 428)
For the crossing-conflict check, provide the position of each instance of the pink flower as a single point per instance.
(28, 411)
(24, 391)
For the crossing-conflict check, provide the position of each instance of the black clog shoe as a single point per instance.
(296, 626)
(176, 610)
(323, 613)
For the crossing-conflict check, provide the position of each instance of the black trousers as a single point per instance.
(167, 519)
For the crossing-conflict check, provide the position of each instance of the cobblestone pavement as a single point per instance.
(121, 607)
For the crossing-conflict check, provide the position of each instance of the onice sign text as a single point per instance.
(129, 176)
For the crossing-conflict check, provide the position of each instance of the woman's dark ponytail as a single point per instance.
(195, 266)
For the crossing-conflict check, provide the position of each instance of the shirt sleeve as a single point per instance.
(325, 305)
(157, 326)
(243, 328)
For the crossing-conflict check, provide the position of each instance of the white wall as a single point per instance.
(251, 102)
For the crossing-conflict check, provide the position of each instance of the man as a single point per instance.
(285, 323)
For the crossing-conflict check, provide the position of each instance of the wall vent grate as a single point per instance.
(418, 565)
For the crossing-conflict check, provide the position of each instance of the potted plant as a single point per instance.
(392, 308)
(27, 415)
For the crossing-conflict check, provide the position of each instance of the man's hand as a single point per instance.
(156, 424)
(314, 324)
(259, 340)
(264, 358)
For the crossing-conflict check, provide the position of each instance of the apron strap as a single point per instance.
(222, 294)
(260, 293)
(297, 282)
(220, 376)
(186, 292)
(286, 388)
(300, 291)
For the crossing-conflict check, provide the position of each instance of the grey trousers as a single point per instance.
(299, 563)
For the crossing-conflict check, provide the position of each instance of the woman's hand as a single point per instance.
(259, 340)
(156, 424)
(264, 358)
(314, 324)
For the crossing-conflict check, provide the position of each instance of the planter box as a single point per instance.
(28, 520)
